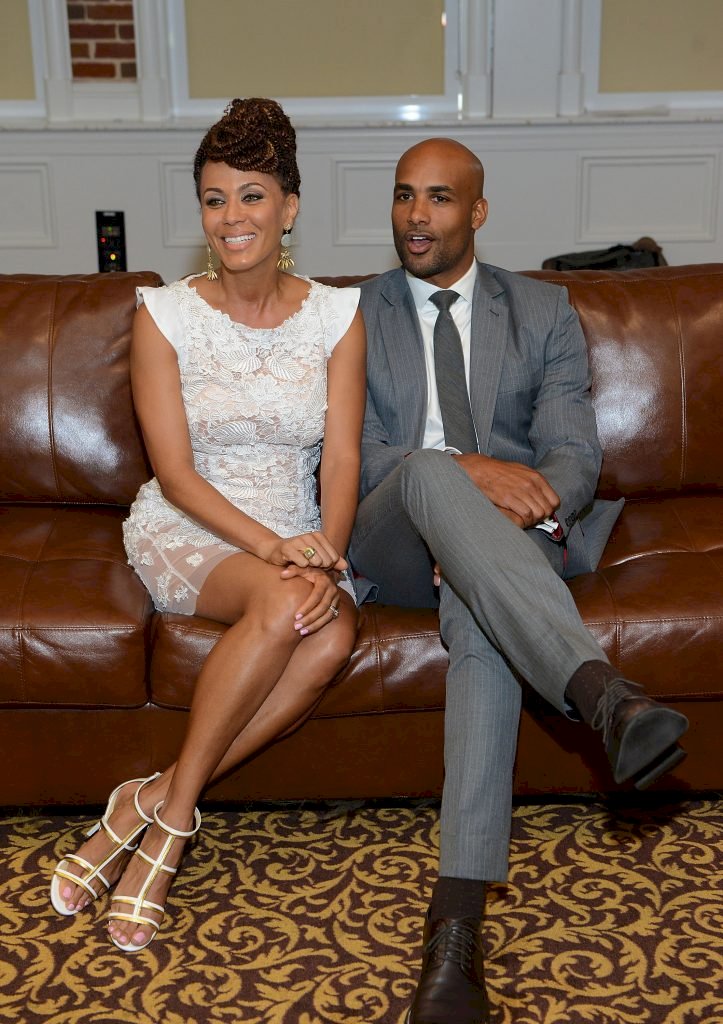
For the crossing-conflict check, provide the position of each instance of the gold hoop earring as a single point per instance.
(210, 269)
(285, 260)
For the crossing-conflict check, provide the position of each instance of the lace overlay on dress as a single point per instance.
(255, 400)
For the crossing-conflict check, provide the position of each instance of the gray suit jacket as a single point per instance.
(529, 392)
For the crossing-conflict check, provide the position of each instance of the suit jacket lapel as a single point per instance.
(488, 341)
(404, 348)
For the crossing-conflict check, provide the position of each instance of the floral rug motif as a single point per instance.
(300, 914)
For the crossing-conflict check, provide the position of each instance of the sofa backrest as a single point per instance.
(68, 432)
(655, 339)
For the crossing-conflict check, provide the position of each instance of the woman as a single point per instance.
(237, 375)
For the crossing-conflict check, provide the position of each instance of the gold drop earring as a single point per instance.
(285, 262)
(210, 269)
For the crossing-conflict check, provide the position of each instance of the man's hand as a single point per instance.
(520, 493)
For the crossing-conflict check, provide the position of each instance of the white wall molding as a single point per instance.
(552, 187)
(359, 218)
(622, 194)
(179, 206)
(26, 207)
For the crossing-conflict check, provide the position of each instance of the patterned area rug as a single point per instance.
(313, 915)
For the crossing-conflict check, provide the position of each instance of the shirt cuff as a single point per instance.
(551, 526)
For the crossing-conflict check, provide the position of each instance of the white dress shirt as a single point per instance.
(427, 314)
(461, 311)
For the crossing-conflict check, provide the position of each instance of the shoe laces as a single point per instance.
(615, 693)
(459, 942)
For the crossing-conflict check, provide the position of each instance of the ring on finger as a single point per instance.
(334, 611)
(308, 553)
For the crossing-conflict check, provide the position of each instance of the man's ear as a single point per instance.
(479, 213)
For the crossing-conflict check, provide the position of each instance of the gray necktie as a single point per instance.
(457, 419)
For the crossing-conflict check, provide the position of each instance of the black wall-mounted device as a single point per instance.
(110, 234)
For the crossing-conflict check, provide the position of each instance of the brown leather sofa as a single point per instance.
(95, 687)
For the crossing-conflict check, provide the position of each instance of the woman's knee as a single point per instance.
(278, 604)
(335, 644)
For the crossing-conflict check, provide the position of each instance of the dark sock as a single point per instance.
(458, 897)
(587, 684)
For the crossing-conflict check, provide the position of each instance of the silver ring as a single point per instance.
(334, 611)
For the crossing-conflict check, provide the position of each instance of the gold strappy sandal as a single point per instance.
(139, 903)
(94, 882)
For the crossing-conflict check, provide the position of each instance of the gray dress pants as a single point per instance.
(504, 611)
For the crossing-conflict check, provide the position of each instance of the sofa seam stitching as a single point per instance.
(51, 353)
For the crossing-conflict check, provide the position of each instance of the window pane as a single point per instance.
(314, 48)
(16, 54)
(661, 46)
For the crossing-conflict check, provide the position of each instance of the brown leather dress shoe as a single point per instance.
(451, 987)
(640, 736)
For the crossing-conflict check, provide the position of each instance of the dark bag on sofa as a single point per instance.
(643, 253)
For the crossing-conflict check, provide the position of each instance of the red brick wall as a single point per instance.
(102, 39)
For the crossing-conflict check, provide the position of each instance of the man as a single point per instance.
(479, 465)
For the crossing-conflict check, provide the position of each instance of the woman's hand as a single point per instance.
(308, 549)
(321, 606)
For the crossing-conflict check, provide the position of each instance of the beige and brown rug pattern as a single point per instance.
(313, 915)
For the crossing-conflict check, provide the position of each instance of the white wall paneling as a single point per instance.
(179, 206)
(26, 209)
(359, 185)
(553, 187)
(621, 195)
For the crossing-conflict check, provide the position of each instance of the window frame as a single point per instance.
(612, 103)
(12, 110)
(406, 108)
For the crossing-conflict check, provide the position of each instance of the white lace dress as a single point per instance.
(255, 399)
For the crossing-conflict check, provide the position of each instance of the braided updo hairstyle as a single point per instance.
(253, 135)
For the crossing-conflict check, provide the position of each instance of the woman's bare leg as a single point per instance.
(261, 679)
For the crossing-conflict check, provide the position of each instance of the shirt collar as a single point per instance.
(421, 289)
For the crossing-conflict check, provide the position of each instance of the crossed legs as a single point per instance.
(503, 610)
(261, 679)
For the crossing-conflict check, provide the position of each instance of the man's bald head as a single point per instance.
(452, 153)
(438, 206)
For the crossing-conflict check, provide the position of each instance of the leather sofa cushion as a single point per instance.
(67, 428)
(74, 617)
(655, 603)
(398, 663)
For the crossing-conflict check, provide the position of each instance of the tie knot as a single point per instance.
(444, 299)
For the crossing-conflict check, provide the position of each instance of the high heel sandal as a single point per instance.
(95, 871)
(139, 903)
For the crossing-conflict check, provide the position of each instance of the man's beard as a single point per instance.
(429, 264)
